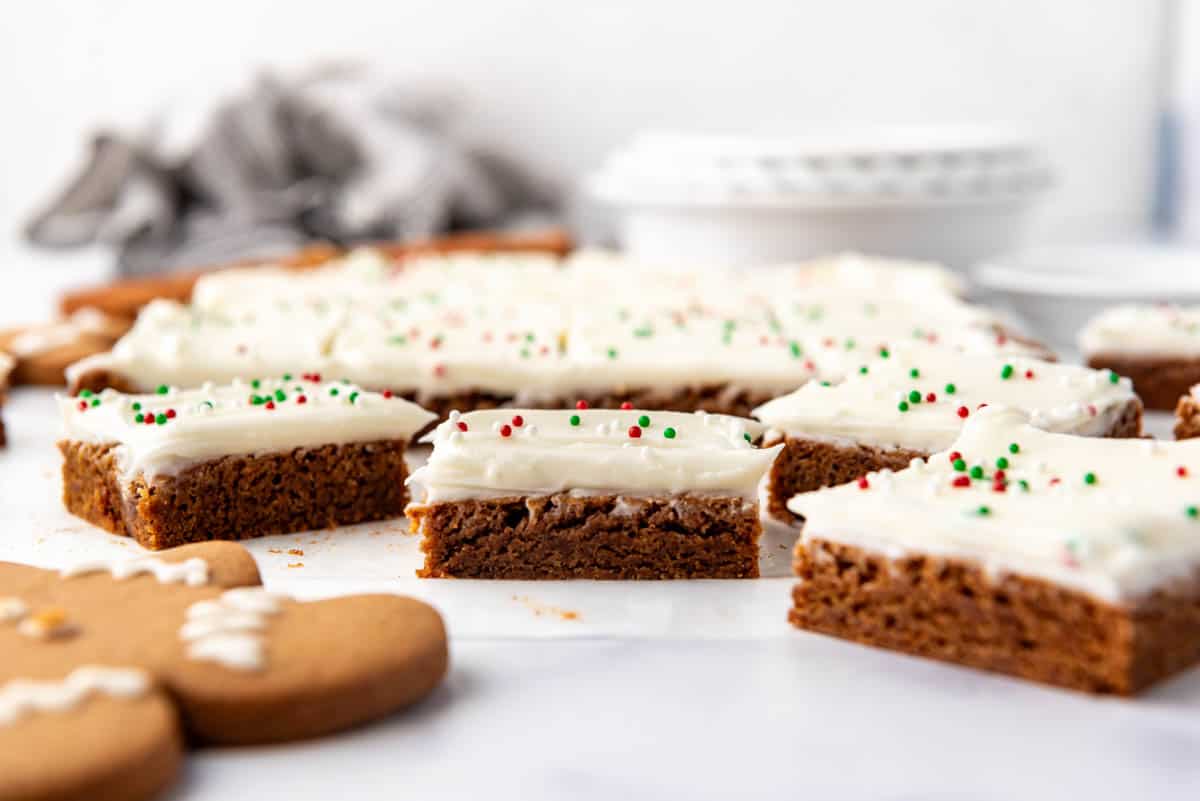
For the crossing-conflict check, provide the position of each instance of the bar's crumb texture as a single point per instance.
(237, 497)
(1187, 417)
(951, 611)
(1159, 382)
(565, 536)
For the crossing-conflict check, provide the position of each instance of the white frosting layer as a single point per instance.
(262, 416)
(20, 697)
(490, 454)
(915, 398)
(535, 329)
(1115, 518)
(1170, 331)
(192, 572)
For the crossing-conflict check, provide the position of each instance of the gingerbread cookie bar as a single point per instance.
(589, 493)
(6, 365)
(908, 402)
(235, 461)
(1158, 347)
(43, 352)
(1068, 560)
(112, 666)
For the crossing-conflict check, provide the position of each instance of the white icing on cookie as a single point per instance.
(192, 572)
(12, 609)
(20, 697)
(225, 630)
(521, 452)
(1115, 518)
(42, 338)
(1161, 330)
(168, 430)
(919, 396)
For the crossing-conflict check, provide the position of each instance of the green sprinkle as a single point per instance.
(574, 419)
(825, 383)
(1014, 448)
(161, 419)
(976, 472)
(85, 393)
(914, 397)
(951, 389)
(280, 395)
(255, 400)
(747, 438)
(643, 332)
(914, 373)
(529, 337)
(612, 353)
(1006, 372)
(398, 339)
(137, 418)
(863, 370)
(1089, 478)
(850, 344)
(95, 401)
(256, 383)
(287, 376)
(983, 511)
(1113, 378)
(795, 348)
(207, 404)
(644, 421)
(669, 432)
(884, 353)
(960, 465)
(333, 390)
(353, 397)
(162, 389)
(1023, 484)
(524, 353)
(137, 407)
(1002, 463)
(1193, 512)
(902, 406)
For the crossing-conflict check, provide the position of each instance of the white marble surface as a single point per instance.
(657, 690)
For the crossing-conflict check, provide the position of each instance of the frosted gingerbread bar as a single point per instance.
(6, 365)
(1158, 347)
(241, 460)
(590, 493)
(1067, 560)
(911, 401)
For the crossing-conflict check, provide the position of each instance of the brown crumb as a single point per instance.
(295, 552)
(274, 550)
(538, 608)
(295, 564)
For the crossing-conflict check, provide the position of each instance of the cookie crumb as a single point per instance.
(295, 552)
(295, 564)
(47, 624)
(539, 608)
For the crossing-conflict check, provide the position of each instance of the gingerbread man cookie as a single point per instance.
(109, 666)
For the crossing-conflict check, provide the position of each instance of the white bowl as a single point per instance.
(1057, 290)
(948, 195)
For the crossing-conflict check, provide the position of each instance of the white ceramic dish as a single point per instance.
(1056, 290)
(949, 195)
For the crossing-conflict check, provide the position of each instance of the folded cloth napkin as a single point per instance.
(335, 154)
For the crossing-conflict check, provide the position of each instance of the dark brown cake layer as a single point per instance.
(1187, 418)
(805, 465)
(562, 536)
(237, 497)
(952, 611)
(1158, 381)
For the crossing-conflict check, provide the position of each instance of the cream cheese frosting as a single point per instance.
(509, 452)
(1114, 518)
(918, 397)
(172, 428)
(1161, 330)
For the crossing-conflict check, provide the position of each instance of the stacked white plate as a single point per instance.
(950, 195)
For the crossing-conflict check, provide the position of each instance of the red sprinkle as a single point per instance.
(961, 481)
(299, 399)
(863, 483)
(1181, 471)
(83, 406)
(439, 370)
(999, 475)
(506, 431)
(999, 486)
(931, 398)
(544, 350)
(635, 432)
(627, 405)
(518, 420)
(1054, 481)
(1001, 339)
(963, 411)
(581, 404)
(435, 343)
(1029, 374)
(462, 426)
(170, 414)
(149, 420)
(387, 393)
(827, 342)
(270, 404)
(809, 366)
(954, 456)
